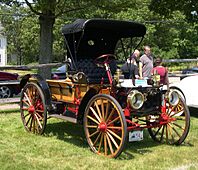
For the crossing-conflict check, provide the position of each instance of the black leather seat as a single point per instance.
(94, 73)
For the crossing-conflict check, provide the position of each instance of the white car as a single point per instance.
(189, 87)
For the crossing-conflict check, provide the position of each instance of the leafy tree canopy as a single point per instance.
(166, 7)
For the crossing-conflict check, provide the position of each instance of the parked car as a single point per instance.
(9, 84)
(190, 70)
(188, 87)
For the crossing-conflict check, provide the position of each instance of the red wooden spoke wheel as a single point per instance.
(33, 108)
(171, 127)
(105, 126)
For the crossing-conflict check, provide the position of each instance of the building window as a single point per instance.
(0, 58)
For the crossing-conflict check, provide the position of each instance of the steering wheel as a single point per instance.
(105, 58)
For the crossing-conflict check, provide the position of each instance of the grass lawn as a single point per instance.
(63, 146)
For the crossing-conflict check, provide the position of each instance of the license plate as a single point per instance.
(136, 135)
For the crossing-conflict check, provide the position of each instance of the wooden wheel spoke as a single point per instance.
(38, 121)
(179, 107)
(94, 133)
(170, 131)
(161, 137)
(94, 120)
(109, 144)
(36, 96)
(92, 126)
(110, 115)
(97, 139)
(114, 120)
(157, 131)
(102, 107)
(101, 141)
(175, 130)
(113, 140)
(181, 118)
(114, 134)
(166, 133)
(24, 108)
(178, 126)
(95, 114)
(34, 125)
(37, 126)
(107, 109)
(105, 144)
(26, 115)
(98, 109)
(40, 111)
(115, 127)
(28, 119)
(176, 112)
(31, 122)
(25, 102)
(28, 93)
(27, 99)
(170, 110)
(40, 117)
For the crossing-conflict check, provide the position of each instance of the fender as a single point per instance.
(42, 84)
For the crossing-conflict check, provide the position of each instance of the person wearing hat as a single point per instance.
(161, 70)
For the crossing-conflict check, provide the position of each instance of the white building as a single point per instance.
(3, 48)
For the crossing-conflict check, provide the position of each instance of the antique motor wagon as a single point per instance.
(113, 110)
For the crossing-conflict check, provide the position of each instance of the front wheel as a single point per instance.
(105, 126)
(33, 108)
(171, 127)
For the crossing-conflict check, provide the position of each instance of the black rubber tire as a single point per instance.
(5, 92)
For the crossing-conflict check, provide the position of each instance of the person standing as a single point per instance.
(135, 57)
(146, 63)
(161, 70)
(130, 70)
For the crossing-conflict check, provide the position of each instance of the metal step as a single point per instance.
(69, 119)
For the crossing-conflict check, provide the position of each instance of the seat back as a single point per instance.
(94, 73)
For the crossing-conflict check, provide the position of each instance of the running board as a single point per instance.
(70, 119)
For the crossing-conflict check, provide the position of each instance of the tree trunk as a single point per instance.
(46, 42)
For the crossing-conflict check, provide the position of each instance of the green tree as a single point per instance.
(21, 32)
(49, 10)
(166, 7)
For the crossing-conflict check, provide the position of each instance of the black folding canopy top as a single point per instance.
(94, 37)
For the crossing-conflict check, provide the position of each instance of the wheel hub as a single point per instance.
(31, 109)
(102, 127)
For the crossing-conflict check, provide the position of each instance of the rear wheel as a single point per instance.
(33, 108)
(171, 127)
(105, 126)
